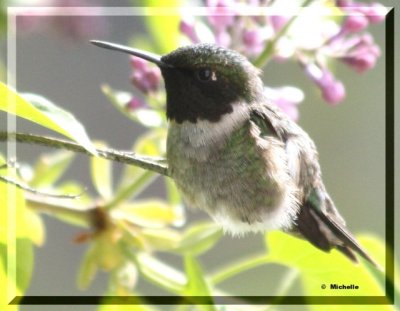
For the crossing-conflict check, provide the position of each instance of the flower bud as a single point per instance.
(223, 38)
(278, 21)
(363, 55)
(145, 76)
(219, 14)
(138, 63)
(187, 27)
(333, 91)
(376, 13)
(361, 62)
(135, 103)
(355, 23)
(287, 99)
(253, 40)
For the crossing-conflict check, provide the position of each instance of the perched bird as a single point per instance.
(237, 157)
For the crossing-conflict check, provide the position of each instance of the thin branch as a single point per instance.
(154, 164)
(29, 189)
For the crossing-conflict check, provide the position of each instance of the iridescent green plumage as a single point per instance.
(231, 178)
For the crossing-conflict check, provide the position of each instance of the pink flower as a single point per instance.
(286, 98)
(223, 38)
(145, 76)
(376, 13)
(278, 21)
(355, 23)
(187, 27)
(254, 40)
(134, 104)
(220, 14)
(138, 63)
(332, 90)
(363, 55)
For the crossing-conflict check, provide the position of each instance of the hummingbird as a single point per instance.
(236, 156)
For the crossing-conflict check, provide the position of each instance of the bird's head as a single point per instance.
(202, 81)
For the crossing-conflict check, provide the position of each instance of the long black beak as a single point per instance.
(154, 58)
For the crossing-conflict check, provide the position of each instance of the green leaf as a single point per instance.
(41, 111)
(161, 240)
(3, 276)
(145, 116)
(24, 263)
(199, 238)
(161, 24)
(12, 200)
(377, 247)
(124, 279)
(108, 250)
(101, 171)
(150, 213)
(3, 213)
(318, 268)
(197, 285)
(160, 273)
(175, 200)
(88, 268)
(104, 253)
(174, 197)
(74, 214)
(133, 189)
(73, 187)
(37, 231)
(151, 143)
(50, 167)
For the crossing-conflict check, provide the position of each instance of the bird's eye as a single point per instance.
(205, 74)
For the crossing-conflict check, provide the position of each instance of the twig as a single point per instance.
(155, 164)
(35, 191)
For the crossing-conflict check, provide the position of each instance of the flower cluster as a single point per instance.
(311, 39)
(348, 44)
(145, 76)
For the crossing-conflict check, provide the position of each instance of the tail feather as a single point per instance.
(325, 229)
